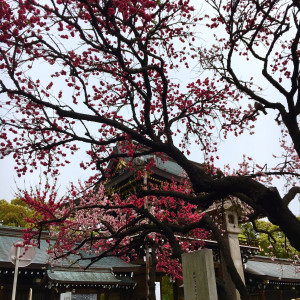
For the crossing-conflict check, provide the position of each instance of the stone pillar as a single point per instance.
(199, 275)
(233, 230)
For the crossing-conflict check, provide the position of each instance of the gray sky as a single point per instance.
(260, 146)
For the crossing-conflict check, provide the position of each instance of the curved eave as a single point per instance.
(273, 271)
(84, 278)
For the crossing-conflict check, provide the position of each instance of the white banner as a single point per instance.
(157, 290)
(66, 296)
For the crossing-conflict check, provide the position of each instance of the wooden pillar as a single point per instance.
(263, 296)
(175, 289)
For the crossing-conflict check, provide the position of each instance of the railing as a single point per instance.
(249, 242)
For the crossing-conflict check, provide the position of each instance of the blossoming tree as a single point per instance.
(102, 72)
(95, 225)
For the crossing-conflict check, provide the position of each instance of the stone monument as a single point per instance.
(199, 275)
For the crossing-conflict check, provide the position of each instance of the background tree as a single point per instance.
(14, 213)
(108, 69)
(272, 241)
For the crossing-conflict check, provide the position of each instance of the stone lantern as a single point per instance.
(232, 233)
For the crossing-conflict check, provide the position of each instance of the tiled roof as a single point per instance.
(169, 166)
(42, 258)
(6, 242)
(88, 277)
(276, 270)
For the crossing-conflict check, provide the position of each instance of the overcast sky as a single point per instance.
(260, 146)
(230, 152)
